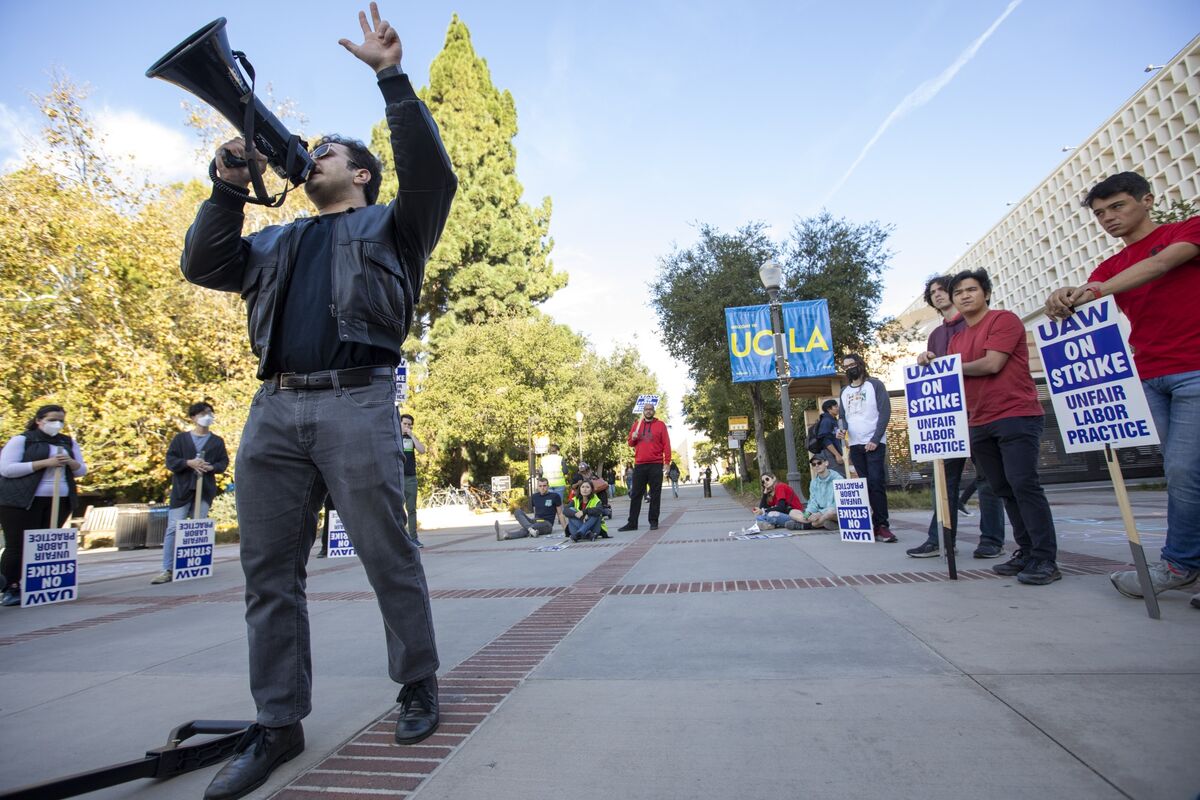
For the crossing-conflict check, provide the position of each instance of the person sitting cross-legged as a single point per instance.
(778, 500)
(821, 511)
(585, 514)
(547, 507)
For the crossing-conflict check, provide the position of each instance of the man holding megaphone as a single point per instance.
(330, 300)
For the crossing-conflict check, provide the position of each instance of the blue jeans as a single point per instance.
(1175, 405)
(173, 517)
(776, 518)
(873, 466)
(991, 513)
(954, 471)
(1006, 453)
(582, 527)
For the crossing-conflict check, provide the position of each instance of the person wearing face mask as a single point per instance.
(651, 454)
(194, 457)
(30, 465)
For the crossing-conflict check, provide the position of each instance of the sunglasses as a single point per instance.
(815, 463)
(322, 150)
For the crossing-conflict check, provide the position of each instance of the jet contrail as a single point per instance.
(923, 94)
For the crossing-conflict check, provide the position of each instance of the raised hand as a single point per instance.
(380, 47)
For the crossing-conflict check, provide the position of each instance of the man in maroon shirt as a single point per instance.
(651, 454)
(1155, 279)
(1005, 420)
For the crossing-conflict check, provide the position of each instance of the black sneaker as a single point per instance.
(925, 550)
(1014, 565)
(1039, 572)
(653, 526)
(1196, 601)
(988, 551)
(628, 527)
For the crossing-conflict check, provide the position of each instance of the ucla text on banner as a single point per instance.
(195, 540)
(853, 510)
(339, 541)
(1092, 380)
(807, 341)
(937, 410)
(49, 569)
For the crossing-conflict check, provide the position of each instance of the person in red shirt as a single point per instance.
(1005, 420)
(777, 501)
(1154, 280)
(651, 454)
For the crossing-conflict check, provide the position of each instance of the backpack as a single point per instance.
(814, 442)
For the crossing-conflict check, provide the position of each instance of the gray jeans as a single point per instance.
(297, 443)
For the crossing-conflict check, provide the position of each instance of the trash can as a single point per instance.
(156, 525)
(131, 525)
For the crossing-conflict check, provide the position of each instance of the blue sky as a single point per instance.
(641, 119)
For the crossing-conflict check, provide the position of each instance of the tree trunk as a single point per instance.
(760, 436)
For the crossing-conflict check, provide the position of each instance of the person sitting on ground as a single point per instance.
(585, 514)
(778, 500)
(547, 507)
(821, 511)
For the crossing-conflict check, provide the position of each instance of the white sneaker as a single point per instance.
(162, 577)
(1163, 576)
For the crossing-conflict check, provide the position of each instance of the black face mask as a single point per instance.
(854, 373)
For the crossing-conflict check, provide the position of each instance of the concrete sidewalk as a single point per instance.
(676, 663)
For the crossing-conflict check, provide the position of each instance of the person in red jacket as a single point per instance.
(777, 501)
(651, 454)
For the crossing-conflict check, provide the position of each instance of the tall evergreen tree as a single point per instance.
(494, 256)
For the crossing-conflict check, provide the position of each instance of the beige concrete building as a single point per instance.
(1048, 240)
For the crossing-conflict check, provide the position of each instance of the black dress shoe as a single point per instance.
(418, 711)
(628, 527)
(259, 752)
(653, 526)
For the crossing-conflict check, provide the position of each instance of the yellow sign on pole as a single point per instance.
(739, 423)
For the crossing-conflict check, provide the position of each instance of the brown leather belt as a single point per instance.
(360, 376)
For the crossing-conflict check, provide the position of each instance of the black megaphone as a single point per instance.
(205, 65)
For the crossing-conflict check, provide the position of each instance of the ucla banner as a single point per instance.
(807, 341)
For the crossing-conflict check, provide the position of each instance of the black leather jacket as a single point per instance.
(379, 251)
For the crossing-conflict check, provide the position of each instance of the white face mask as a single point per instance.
(51, 427)
(205, 420)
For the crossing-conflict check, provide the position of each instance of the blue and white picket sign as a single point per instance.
(807, 341)
(1092, 380)
(937, 410)
(339, 540)
(642, 400)
(49, 566)
(195, 540)
(853, 510)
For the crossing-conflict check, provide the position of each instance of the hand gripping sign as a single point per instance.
(1099, 401)
(853, 510)
(937, 429)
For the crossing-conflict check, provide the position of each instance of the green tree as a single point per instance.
(494, 255)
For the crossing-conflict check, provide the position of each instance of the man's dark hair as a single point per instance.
(362, 158)
(408, 417)
(1129, 182)
(42, 412)
(197, 407)
(553, 448)
(980, 275)
(543, 480)
(828, 404)
(937, 280)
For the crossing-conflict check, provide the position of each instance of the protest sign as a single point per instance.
(937, 410)
(853, 510)
(1092, 380)
(49, 566)
(195, 540)
(339, 541)
(1099, 401)
(642, 400)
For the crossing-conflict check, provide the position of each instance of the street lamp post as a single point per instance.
(579, 419)
(771, 275)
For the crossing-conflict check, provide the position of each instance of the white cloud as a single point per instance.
(922, 95)
(139, 147)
